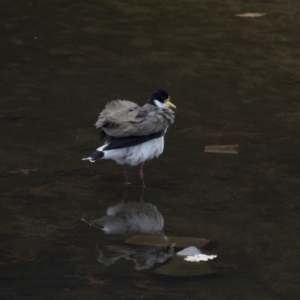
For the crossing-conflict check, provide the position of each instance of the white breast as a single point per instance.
(136, 154)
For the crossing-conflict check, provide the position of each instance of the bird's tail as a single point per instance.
(110, 224)
(95, 156)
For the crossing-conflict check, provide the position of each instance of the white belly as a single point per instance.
(136, 154)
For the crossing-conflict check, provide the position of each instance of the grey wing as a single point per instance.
(114, 112)
(125, 118)
(152, 119)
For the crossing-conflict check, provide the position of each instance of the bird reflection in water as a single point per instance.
(125, 193)
(144, 257)
(133, 218)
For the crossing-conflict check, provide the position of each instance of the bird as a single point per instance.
(135, 133)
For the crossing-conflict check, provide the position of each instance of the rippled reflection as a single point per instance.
(133, 218)
(144, 257)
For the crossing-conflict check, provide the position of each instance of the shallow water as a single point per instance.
(234, 81)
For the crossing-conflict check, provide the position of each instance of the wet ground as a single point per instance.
(234, 80)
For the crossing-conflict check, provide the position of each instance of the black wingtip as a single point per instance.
(95, 156)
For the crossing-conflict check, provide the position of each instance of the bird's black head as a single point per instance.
(161, 99)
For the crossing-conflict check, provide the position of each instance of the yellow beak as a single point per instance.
(169, 103)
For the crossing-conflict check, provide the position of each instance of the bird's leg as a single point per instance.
(142, 195)
(125, 174)
(142, 175)
(125, 194)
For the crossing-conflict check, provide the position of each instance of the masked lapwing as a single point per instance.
(135, 134)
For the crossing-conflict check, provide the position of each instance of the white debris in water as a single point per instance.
(199, 257)
(192, 250)
(251, 15)
(229, 149)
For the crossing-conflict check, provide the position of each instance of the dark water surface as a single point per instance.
(234, 81)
